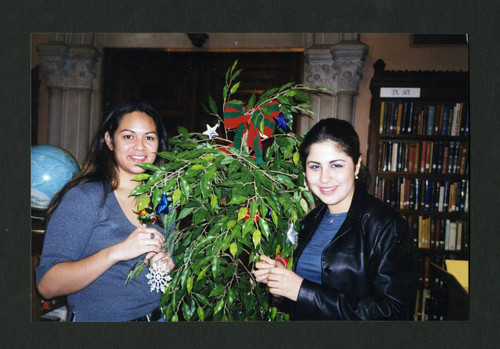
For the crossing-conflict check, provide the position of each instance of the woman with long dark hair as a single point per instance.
(93, 236)
(354, 258)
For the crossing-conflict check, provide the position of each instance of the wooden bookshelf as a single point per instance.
(418, 158)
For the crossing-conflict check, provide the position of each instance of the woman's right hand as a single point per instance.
(264, 266)
(142, 240)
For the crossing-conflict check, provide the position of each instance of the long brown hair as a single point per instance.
(100, 165)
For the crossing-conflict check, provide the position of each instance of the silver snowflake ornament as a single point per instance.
(158, 277)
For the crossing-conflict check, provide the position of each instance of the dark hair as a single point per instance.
(340, 132)
(100, 164)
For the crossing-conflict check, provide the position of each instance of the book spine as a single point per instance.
(382, 115)
(428, 195)
(439, 157)
(446, 153)
(447, 235)
(410, 119)
(431, 109)
(463, 159)
(446, 116)
(404, 120)
(394, 160)
(453, 236)
(446, 195)
(427, 271)
(441, 198)
(428, 158)
(438, 234)
(399, 118)
(417, 193)
(459, 235)
(423, 156)
(437, 119)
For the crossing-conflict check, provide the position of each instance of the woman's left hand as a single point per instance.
(284, 282)
(163, 257)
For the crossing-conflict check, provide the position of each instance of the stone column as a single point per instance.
(319, 72)
(70, 72)
(348, 61)
(338, 67)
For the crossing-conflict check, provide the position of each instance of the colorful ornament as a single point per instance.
(283, 260)
(256, 218)
(210, 132)
(146, 217)
(158, 277)
(253, 125)
(281, 121)
(163, 205)
(291, 234)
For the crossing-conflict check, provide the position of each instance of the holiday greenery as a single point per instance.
(230, 198)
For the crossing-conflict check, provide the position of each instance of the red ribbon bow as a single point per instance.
(252, 125)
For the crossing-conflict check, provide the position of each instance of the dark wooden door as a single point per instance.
(177, 83)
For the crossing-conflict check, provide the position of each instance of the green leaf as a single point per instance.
(285, 180)
(234, 65)
(216, 291)
(176, 195)
(148, 166)
(247, 226)
(201, 313)
(274, 217)
(215, 267)
(256, 237)
(189, 284)
(212, 105)
(235, 87)
(185, 212)
(253, 209)
(202, 273)
(238, 199)
(140, 189)
(224, 92)
(265, 228)
(141, 177)
(233, 248)
(143, 203)
(236, 74)
(184, 187)
(296, 157)
(213, 201)
(303, 204)
(251, 101)
(219, 306)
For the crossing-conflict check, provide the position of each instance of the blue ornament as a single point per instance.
(163, 205)
(282, 121)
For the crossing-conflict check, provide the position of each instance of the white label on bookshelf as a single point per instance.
(400, 92)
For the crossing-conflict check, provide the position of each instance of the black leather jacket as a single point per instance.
(367, 269)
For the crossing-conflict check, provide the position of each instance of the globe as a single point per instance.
(51, 168)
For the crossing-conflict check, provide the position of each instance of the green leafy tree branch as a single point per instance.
(227, 208)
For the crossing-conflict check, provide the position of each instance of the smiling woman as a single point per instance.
(93, 237)
(353, 260)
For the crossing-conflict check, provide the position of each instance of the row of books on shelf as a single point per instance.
(430, 306)
(432, 299)
(424, 157)
(412, 118)
(424, 194)
(439, 233)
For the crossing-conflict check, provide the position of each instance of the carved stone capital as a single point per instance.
(348, 61)
(68, 67)
(319, 69)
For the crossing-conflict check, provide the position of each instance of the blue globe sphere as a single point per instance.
(51, 168)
